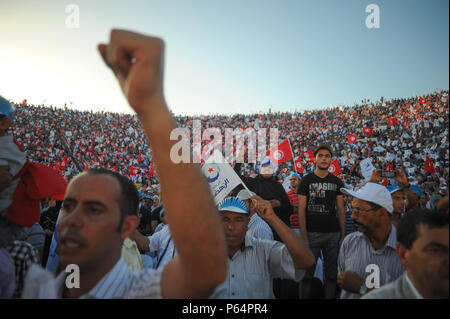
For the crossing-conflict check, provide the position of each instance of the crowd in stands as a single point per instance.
(404, 132)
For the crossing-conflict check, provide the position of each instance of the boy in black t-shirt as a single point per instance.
(322, 219)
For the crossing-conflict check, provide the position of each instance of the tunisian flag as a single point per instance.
(351, 138)
(429, 166)
(335, 168)
(37, 182)
(282, 153)
(368, 130)
(393, 121)
(309, 156)
(133, 171)
(298, 165)
(421, 100)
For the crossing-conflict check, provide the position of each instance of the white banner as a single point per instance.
(221, 177)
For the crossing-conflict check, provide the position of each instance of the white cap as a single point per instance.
(374, 193)
(244, 194)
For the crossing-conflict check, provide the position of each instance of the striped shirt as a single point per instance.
(349, 222)
(258, 228)
(119, 282)
(293, 197)
(357, 252)
(252, 268)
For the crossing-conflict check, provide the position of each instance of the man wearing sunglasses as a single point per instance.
(368, 258)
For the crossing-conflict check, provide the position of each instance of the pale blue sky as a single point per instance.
(227, 56)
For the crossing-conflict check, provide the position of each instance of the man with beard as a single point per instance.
(367, 258)
(322, 219)
(422, 247)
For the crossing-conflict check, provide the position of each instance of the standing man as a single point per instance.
(100, 206)
(294, 180)
(322, 219)
(253, 263)
(368, 255)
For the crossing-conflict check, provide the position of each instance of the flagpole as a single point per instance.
(292, 152)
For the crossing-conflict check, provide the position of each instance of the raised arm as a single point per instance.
(298, 248)
(137, 62)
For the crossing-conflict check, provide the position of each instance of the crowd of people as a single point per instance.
(164, 237)
(72, 141)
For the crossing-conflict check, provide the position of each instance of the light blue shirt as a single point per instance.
(357, 252)
(251, 270)
(119, 282)
(258, 228)
(161, 242)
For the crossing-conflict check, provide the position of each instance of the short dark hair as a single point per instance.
(323, 147)
(408, 230)
(129, 196)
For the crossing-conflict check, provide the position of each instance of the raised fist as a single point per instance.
(137, 62)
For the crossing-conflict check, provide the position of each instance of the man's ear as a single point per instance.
(128, 226)
(402, 254)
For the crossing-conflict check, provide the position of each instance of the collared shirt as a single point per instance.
(162, 243)
(413, 289)
(357, 252)
(252, 268)
(119, 282)
(258, 228)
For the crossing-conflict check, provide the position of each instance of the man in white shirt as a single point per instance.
(422, 247)
(252, 262)
(100, 206)
(160, 243)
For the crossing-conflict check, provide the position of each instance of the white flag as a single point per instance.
(221, 177)
(366, 168)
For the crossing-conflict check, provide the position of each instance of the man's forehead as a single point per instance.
(360, 203)
(233, 214)
(434, 234)
(94, 185)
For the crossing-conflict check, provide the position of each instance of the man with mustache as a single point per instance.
(369, 255)
(100, 206)
(253, 262)
(422, 247)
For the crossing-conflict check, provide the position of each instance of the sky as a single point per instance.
(228, 56)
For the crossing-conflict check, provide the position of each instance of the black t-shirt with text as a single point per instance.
(321, 208)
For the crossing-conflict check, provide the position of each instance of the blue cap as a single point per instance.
(296, 175)
(233, 204)
(393, 189)
(6, 108)
(417, 190)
